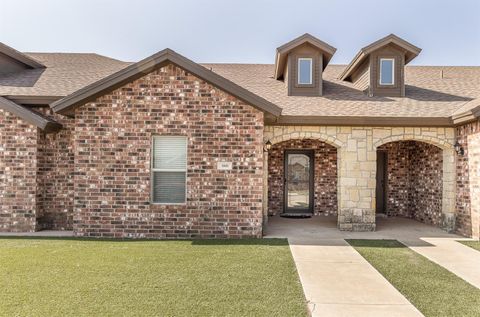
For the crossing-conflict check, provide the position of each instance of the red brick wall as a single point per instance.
(55, 175)
(325, 178)
(112, 160)
(18, 187)
(467, 205)
(427, 183)
(398, 178)
(414, 183)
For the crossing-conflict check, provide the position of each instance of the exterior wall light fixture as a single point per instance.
(268, 146)
(459, 149)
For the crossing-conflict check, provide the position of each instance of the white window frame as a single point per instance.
(311, 70)
(393, 72)
(153, 170)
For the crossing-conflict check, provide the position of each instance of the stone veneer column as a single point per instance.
(357, 162)
(473, 153)
(448, 192)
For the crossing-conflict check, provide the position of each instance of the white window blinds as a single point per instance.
(169, 169)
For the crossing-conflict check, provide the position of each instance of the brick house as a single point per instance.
(168, 148)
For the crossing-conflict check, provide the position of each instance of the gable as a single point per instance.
(167, 89)
(325, 50)
(91, 92)
(408, 50)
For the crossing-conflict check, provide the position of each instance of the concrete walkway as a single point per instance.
(452, 255)
(336, 279)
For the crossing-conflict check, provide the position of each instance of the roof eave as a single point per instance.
(33, 99)
(357, 60)
(467, 116)
(363, 121)
(392, 38)
(45, 124)
(19, 56)
(327, 48)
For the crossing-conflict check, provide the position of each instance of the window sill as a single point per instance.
(168, 204)
(297, 85)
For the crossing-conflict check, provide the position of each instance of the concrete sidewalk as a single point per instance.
(338, 281)
(452, 255)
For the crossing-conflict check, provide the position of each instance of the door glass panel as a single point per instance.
(298, 181)
(298, 195)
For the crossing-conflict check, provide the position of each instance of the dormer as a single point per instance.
(379, 68)
(12, 61)
(300, 64)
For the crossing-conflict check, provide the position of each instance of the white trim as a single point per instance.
(153, 170)
(393, 72)
(168, 170)
(311, 70)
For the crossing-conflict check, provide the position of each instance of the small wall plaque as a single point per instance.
(224, 166)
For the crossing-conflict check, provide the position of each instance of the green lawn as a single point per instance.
(66, 277)
(472, 244)
(431, 288)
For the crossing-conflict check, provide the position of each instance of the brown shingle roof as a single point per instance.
(67, 104)
(64, 74)
(427, 93)
(431, 91)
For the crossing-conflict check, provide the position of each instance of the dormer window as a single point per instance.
(379, 68)
(300, 64)
(387, 71)
(305, 70)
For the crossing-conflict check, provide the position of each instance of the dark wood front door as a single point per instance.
(381, 190)
(298, 179)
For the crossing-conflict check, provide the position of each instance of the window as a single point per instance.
(305, 71)
(387, 68)
(169, 169)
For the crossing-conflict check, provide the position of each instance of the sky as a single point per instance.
(243, 31)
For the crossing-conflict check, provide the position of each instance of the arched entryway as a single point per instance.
(302, 178)
(410, 181)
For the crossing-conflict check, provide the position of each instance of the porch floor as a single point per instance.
(325, 227)
(337, 281)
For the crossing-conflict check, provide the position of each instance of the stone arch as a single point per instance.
(448, 172)
(329, 139)
(438, 142)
